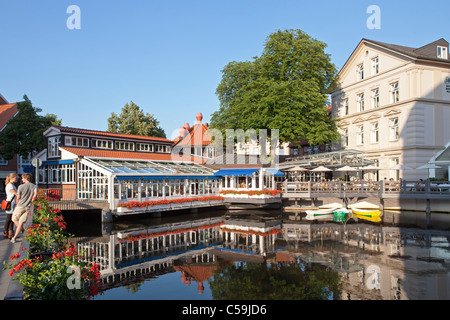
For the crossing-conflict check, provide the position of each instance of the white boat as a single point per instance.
(342, 211)
(321, 212)
(323, 217)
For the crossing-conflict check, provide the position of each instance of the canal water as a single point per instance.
(270, 254)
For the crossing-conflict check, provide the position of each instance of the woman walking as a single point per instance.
(11, 195)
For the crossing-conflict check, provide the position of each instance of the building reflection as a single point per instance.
(374, 261)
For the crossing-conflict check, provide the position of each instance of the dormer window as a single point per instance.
(442, 52)
(53, 147)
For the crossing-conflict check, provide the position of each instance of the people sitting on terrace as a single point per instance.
(419, 186)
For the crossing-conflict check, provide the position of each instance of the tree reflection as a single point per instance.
(274, 281)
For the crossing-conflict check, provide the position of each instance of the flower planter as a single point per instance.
(260, 196)
(162, 206)
(181, 205)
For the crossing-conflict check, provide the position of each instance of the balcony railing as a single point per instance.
(71, 193)
(383, 189)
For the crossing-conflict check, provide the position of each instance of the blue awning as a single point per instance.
(176, 177)
(275, 172)
(52, 162)
(236, 172)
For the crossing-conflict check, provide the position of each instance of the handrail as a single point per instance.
(341, 188)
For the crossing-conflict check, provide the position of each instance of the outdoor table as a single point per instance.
(443, 187)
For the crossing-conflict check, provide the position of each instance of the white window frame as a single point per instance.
(67, 173)
(360, 72)
(442, 52)
(344, 137)
(375, 66)
(374, 132)
(163, 148)
(394, 91)
(375, 98)
(360, 102)
(360, 135)
(345, 106)
(396, 173)
(145, 147)
(3, 162)
(54, 174)
(53, 147)
(75, 141)
(102, 144)
(124, 146)
(394, 133)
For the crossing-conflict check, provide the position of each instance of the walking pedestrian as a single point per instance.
(11, 195)
(25, 194)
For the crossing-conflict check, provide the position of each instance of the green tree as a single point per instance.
(275, 281)
(285, 88)
(24, 132)
(132, 120)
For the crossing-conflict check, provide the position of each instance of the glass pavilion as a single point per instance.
(120, 181)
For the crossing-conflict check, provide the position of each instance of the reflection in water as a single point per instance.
(270, 255)
(277, 280)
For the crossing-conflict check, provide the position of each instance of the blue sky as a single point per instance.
(167, 56)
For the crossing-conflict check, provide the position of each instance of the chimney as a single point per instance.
(199, 118)
(186, 126)
(182, 132)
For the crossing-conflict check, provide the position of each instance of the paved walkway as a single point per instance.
(6, 249)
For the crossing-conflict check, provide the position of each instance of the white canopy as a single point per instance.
(429, 166)
(297, 168)
(321, 169)
(347, 169)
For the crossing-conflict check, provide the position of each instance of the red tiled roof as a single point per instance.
(7, 111)
(200, 273)
(93, 153)
(110, 134)
(197, 136)
(284, 257)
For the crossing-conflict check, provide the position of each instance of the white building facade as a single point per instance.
(393, 103)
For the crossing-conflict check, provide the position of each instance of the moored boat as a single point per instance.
(340, 214)
(321, 212)
(366, 213)
(371, 218)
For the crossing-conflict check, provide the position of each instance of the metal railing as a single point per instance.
(379, 189)
(71, 193)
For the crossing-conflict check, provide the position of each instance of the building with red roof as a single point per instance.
(83, 164)
(17, 164)
(195, 140)
(7, 112)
